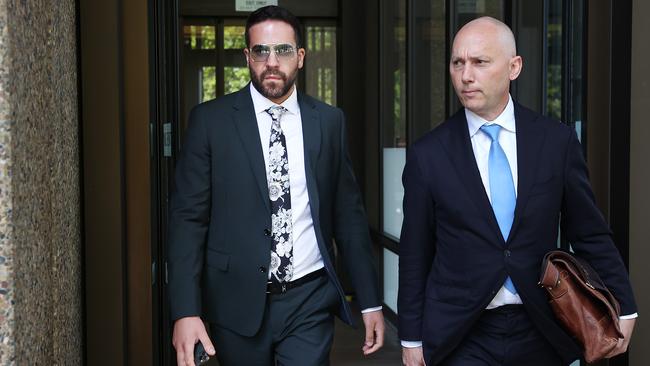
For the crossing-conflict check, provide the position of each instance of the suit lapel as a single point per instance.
(311, 130)
(311, 137)
(246, 123)
(459, 148)
(530, 138)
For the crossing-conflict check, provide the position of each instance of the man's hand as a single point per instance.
(374, 323)
(187, 332)
(412, 356)
(627, 326)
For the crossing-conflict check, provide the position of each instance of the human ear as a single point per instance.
(516, 64)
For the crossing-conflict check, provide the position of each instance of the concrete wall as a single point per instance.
(640, 180)
(40, 246)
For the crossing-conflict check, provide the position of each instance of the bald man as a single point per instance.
(484, 196)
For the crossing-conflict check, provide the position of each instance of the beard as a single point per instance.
(273, 89)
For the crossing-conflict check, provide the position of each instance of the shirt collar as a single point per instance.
(261, 103)
(506, 119)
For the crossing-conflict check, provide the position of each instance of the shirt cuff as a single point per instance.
(630, 316)
(370, 310)
(411, 344)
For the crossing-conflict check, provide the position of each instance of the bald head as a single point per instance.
(483, 63)
(493, 30)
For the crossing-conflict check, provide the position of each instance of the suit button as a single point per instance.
(263, 269)
(267, 232)
(506, 253)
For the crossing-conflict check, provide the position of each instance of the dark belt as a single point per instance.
(275, 288)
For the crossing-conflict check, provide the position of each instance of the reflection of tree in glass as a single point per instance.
(328, 40)
(208, 83)
(233, 38)
(235, 78)
(200, 37)
(554, 92)
(208, 38)
(320, 38)
(312, 45)
(554, 67)
(320, 71)
(325, 81)
(398, 101)
(191, 30)
(399, 84)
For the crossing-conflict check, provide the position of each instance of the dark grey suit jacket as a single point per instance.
(219, 251)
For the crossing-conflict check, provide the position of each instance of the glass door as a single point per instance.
(212, 60)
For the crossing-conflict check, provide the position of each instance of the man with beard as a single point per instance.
(262, 186)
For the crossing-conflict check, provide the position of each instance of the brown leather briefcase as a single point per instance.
(582, 303)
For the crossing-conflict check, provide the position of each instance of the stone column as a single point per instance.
(40, 219)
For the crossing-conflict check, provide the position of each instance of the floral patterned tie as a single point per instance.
(281, 267)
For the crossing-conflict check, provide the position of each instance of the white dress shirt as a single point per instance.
(306, 255)
(481, 143)
(481, 146)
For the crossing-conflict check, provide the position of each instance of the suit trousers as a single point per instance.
(504, 336)
(297, 330)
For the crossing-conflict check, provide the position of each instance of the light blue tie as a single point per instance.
(502, 188)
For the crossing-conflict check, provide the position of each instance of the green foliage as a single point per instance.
(325, 80)
(398, 103)
(233, 37)
(208, 83)
(321, 38)
(192, 36)
(554, 91)
(235, 78)
(208, 38)
(200, 37)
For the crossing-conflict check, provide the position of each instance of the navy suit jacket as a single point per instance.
(219, 247)
(453, 259)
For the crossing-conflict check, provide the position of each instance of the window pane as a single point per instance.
(394, 159)
(429, 66)
(199, 37)
(233, 37)
(393, 111)
(528, 29)
(235, 78)
(320, 70)
(391, 272)
(198, 64)
(576, 49)
(208, 83)
(467, 10)
(554, 60)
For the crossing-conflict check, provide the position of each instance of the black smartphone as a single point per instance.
(200, 356)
